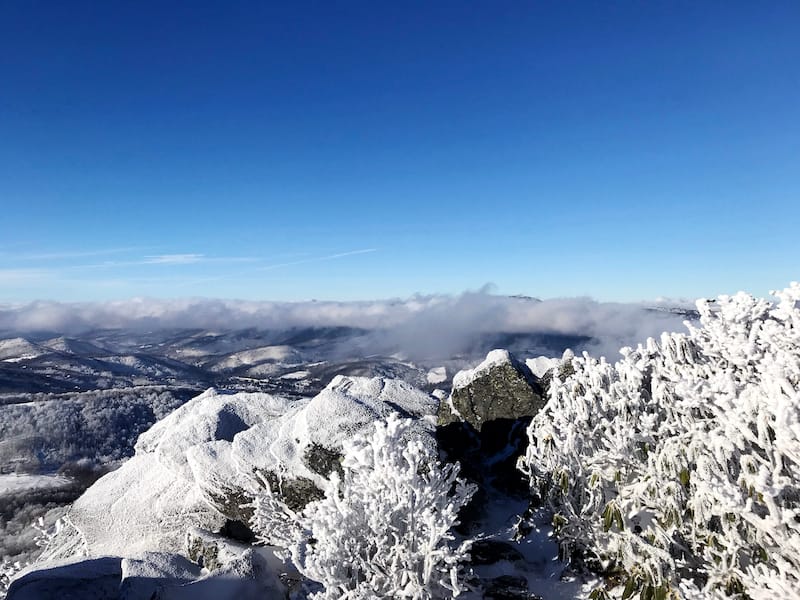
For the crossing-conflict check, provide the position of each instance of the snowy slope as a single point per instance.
(15, 349)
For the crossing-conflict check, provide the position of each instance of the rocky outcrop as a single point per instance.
(202, 465)
(482, 423)
(501, 387)
(209, 550)
(296, 453)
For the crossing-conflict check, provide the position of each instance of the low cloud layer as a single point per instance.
(422, 325)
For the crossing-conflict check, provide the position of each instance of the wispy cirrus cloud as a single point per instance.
(186, 258)
(68, 254)
(272, 266)
(156, 274)
(16, 276)
(173, 259)
(350, 253)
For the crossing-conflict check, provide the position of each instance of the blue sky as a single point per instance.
(289, 151)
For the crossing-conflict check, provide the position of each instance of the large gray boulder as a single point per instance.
(482, 423)
(501, 387)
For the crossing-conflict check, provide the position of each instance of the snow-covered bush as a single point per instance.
(101, 426)
(678, 467)
(383, 528)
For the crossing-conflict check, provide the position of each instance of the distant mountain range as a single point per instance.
(297, 361)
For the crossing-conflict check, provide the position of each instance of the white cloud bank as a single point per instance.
(428, 325)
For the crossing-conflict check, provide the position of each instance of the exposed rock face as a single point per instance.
(211, 551)
(482, 424)
(323, 461)
(295, 492)
(501, 387)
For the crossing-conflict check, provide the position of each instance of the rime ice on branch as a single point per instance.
(383, 528)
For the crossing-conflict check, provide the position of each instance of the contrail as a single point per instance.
(318, 259)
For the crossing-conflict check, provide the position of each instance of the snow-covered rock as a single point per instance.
(94, 579)
(144, 577)
(245, 575)
(493, 359)
(501, 387)
(541, 365)
(143, 506)
(482, 422)
(298, 450)
(203, 464)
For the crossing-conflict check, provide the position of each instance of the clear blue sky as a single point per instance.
(624, 150)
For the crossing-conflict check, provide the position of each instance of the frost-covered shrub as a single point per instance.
(101, 425)
(678, 467)
(383, 528)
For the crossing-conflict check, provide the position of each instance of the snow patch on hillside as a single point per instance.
(257, 355)
(295, 375)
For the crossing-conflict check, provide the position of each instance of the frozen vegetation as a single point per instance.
(676, 471)
(383, 529)
(98, 427)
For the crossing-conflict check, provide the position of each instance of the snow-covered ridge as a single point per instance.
(15, 349)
